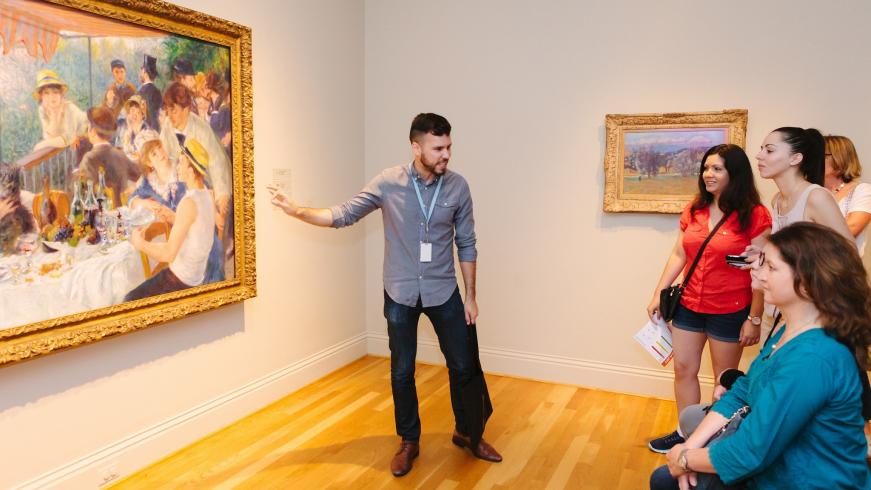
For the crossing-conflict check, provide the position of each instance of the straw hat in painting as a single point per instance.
(48, 78)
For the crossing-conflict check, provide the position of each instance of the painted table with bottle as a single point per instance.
(77, 264)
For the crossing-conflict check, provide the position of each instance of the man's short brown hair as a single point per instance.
(177, 94)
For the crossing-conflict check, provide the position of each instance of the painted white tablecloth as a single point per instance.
(96, 279)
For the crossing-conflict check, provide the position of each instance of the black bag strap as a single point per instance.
(777, 318)
(865, 397)
(702, 249)
(866, 391)
(472, 341)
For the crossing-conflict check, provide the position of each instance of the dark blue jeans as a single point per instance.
(449, 320)
(661, 479)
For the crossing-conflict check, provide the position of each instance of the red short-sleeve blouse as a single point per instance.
(716, 287)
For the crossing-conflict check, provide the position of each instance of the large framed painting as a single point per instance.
(126, 171)
(652, 160)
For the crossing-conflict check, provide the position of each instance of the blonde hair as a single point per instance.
(145, 155)
(845, 161)
(199, 83)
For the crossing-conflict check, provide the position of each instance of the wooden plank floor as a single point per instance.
(338, 433)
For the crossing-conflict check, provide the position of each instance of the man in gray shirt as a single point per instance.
(426, 209)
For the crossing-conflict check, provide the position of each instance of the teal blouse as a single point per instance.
(805, 427)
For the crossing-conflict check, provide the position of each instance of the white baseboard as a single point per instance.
(131, 453)
(621, 378)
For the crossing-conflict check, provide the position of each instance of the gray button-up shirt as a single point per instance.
(406, 278)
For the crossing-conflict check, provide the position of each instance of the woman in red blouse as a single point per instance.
(718, 305)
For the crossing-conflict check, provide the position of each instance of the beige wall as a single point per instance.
(120, 404)
(526, 85)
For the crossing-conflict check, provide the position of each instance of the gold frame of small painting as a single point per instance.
(171, 26)
(652, 160)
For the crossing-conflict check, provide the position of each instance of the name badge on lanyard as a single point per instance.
(425, 244)
(425, 252)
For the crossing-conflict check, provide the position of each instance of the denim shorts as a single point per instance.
(725, 327)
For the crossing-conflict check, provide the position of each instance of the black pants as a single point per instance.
(449, 320)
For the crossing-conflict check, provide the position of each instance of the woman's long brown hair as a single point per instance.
(829, 272)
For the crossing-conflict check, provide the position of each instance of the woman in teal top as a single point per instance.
(805, 426)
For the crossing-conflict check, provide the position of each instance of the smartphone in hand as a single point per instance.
(737, 260)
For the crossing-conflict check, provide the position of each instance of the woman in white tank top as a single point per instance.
(190, 240)
(794, 159)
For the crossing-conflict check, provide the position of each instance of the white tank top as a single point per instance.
(190, 263)
(779, 221)
(795, 215)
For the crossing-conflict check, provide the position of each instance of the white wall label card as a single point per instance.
(281, 178)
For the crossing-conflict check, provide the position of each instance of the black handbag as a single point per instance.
(474, 394)
(710, 481)
(669, 297)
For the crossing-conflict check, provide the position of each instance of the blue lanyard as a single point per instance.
(435, 196)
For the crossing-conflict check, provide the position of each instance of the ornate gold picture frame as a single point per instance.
(652, 160)
(80, 263)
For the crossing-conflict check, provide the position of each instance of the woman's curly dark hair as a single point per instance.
(829, 272)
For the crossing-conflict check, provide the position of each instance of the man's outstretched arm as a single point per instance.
(314, 216)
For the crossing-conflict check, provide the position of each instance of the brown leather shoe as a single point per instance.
(402, 460)
(483, 451)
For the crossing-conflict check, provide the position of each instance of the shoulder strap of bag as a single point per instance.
(702, 249)
(866, 392)
(777, 318)
(472, 341)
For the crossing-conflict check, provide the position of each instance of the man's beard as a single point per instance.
(432, 166)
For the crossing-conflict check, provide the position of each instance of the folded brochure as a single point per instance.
(655, 337)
